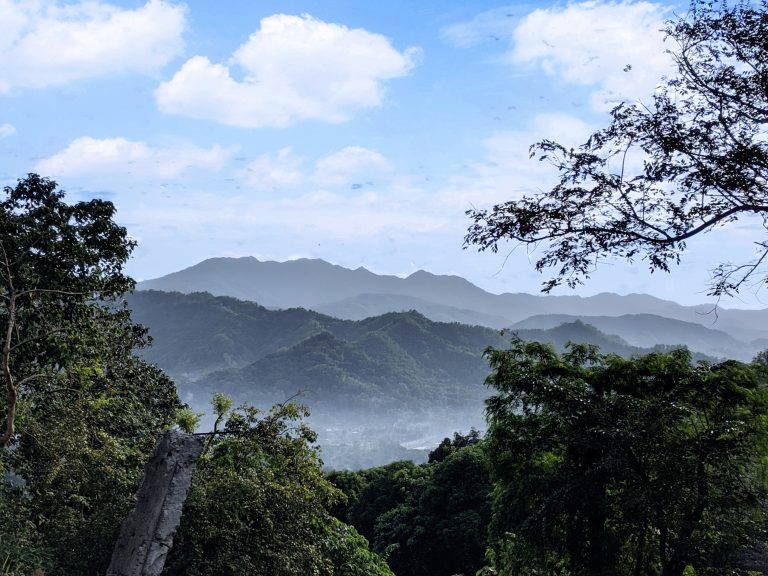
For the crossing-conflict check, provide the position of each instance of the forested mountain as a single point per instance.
(390, 363)
(372, 385)
(199, 333)
(222, 344)
(359, 293)
(648, 330)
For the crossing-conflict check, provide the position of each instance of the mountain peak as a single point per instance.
(421, 274)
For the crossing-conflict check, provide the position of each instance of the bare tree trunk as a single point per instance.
(146, 535)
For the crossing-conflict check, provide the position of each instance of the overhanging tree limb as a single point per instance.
(701, 151)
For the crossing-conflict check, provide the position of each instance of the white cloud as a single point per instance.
(118, 158)
(322, 197)
(507, 172)
(270, 172)
(45, 43)
(293, 68)
(300, 219)
(350, 164)
(6, 130)
(284, 171)
(592, 43)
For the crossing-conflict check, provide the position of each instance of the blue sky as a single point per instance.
(351, 131)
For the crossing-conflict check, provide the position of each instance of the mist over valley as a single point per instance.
(388, 366)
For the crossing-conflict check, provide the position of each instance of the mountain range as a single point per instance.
(639, 319)
(395, 362)
(380, 382)
(372, 385)
(392, 361)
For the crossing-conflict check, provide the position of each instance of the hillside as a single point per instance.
(648, 330)
(359, 293)
(373, 385)
(363, 306)
(212, 343)
(392, 362)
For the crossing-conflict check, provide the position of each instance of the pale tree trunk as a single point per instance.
(146, 535)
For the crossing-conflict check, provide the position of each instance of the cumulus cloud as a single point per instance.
(119, 158)
(274, 171)
(293, 68)
(350, 164)
(6, 130)
(46, 43)
(616, 46)
(353, 166)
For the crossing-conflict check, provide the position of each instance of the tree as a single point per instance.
(59, 265)
(83, 440)
(611, 466)
(259, 504)
(449, 446)
(694, 159)
(88, 409)
(426, 519)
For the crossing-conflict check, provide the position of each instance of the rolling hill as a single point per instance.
(648, 330)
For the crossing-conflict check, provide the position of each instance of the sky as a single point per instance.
(355, 132)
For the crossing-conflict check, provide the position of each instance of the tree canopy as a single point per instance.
(611, 466)
(425, 519)
(83, 439)
(59, 264)
(87, 407)
(693, 159)
(259, 504)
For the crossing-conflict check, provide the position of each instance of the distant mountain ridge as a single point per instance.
(366, 305)
(648, 330)
(359, 293)
(393, 361)
(306, 283)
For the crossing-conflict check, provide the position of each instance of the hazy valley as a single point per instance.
(387, 365)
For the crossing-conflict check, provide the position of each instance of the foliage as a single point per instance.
(259, 505)
(450, 445)
(693, 159)
(56, 260)
(84, 438)
(372, 492)
(608, 466)
(429, 519)
(22, 549)
(761, 358)
(348, 554)
(187, 419)
(88, 409)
